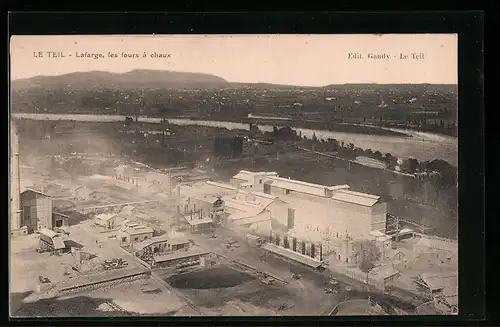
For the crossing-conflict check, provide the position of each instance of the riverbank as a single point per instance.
(421, 146)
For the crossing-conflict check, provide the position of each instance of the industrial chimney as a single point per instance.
(15, 205)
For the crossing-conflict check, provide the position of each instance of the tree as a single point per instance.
(410, 165)
(378, 155)
(369, 255)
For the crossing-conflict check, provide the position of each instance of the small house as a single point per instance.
(106, 220)
(60, 220)
(135, 233)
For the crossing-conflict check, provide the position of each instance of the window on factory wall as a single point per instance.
(260, 181)
(291, 218)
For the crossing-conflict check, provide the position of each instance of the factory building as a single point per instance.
(193, 256)
(36, 210)
(161, 245)
(317, 212)
(199, 211)
(134, 233)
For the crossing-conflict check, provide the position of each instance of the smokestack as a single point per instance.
(15, 180)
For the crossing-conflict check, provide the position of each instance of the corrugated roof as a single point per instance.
(358, 198)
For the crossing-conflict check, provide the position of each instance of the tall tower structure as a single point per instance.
(15, 181)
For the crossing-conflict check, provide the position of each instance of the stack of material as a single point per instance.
(116, 263)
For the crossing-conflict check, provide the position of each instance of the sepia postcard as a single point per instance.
(233, 175)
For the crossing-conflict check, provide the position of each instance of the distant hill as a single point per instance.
(134, 79)
(142, 78)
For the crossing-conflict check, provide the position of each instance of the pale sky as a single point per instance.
(313, 60)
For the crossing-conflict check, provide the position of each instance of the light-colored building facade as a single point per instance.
(327, 211)
(106, 220)
(134, 233)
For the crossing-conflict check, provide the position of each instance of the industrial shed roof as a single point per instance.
(249, 175)
(295, 256)
(163, 238)
(194, 251)
(302, 187)
(363, 199)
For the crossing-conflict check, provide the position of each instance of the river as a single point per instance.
(421, 146)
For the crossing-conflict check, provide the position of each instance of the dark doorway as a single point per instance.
(267, 188)
(294, 244)
(59, 223)
(304, 248)
(277, 240)
(291, 218)
(286, 243)
(313, 250)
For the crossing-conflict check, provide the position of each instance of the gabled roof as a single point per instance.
(34, 191)
(106, 216)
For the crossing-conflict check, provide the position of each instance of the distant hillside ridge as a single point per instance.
(139, 78)
(164, 79)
